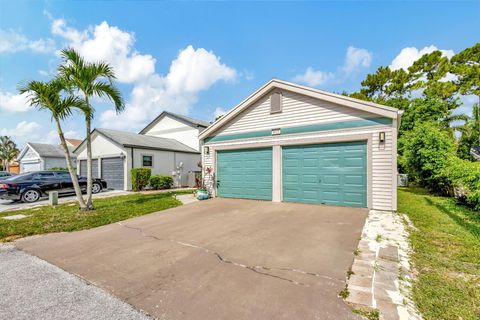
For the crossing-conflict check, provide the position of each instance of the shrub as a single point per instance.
(464, 176)
(140, 178)
(58, 169)
(427, 149)
(161, 182)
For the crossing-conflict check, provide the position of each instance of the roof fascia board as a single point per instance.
(28, 146)
(159, 149)
(171, 115)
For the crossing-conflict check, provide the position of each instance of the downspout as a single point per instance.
(131, 154)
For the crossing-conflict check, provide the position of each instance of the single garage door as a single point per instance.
(113, 173)
(245, 174)
(334, 174)
(83, 168)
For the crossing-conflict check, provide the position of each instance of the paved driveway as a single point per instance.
(219, 259)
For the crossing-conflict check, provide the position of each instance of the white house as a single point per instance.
(41, 156)
(288, 142)
(168, 145)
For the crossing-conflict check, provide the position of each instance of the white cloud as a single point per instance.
(110, 44)
(10, 102)
(356, 58)
(193, 71)
(24, 131)
(409, 55)
(219, 112)
(313, 77)
(12, 41)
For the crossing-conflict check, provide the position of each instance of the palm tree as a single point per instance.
(8, 151)
(89, 80)
(48, 96)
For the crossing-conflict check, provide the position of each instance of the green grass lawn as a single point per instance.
(446, 244)
(67, 217)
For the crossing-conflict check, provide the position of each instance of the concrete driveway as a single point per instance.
(218, 259)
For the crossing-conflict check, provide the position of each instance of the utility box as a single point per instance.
(53, 198)
(402, 180)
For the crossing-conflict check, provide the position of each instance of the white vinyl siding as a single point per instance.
(297, 110)
(382, 172)
(171, 128)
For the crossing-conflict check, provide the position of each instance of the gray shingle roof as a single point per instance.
(188, 119)
(129, 139)
(49, 150)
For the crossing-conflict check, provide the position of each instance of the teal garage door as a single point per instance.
(333, 173)
(245, 174)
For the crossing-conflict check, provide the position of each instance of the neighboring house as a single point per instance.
(40, 156)
(475, 152)
(288, 142)
(178, 127)
(73, 142)
(115, 153)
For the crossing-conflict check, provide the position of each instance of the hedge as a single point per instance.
(140, 178)
(464, 176)
(161, 182)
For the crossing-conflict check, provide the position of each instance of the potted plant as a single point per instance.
(202, 192)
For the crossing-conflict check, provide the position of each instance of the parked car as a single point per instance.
(31, 186)
(5, 174)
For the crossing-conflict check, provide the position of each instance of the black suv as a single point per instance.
(31, 186)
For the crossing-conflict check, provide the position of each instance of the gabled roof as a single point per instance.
(187, 120)
(74, 142)
(367, 106)
(45, 150)
(135, 140)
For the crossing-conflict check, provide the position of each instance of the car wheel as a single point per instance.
(96, 187)
(30, 196)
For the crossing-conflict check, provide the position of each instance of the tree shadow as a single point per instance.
(471, 222)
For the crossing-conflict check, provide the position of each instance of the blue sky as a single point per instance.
(202, 58)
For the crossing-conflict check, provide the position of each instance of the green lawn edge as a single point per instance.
(67, 217)
(446, 255)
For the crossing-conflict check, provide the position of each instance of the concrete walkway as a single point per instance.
(31, 288)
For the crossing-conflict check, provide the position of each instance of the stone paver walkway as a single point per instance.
(381, 275)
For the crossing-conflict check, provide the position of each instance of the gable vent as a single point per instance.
(276, 102)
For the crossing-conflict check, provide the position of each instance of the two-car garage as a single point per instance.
(290, 143)
(330, 173)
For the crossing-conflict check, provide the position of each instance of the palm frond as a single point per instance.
(104, 89)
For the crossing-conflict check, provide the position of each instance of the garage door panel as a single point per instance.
(328, 173)
(245, 174)
(83, 168)
(113, 172)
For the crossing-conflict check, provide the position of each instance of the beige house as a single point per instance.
(288, 142)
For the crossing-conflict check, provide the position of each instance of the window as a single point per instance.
(43, 175)
(276, 102)
(147, 161)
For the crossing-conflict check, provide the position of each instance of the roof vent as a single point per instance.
(276, 102)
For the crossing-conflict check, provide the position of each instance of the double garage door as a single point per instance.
(334, 174)
(112, 171)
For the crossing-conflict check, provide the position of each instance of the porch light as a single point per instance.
(381, 137)
(207, 150)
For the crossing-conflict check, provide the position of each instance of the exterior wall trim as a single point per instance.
(304, 129)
